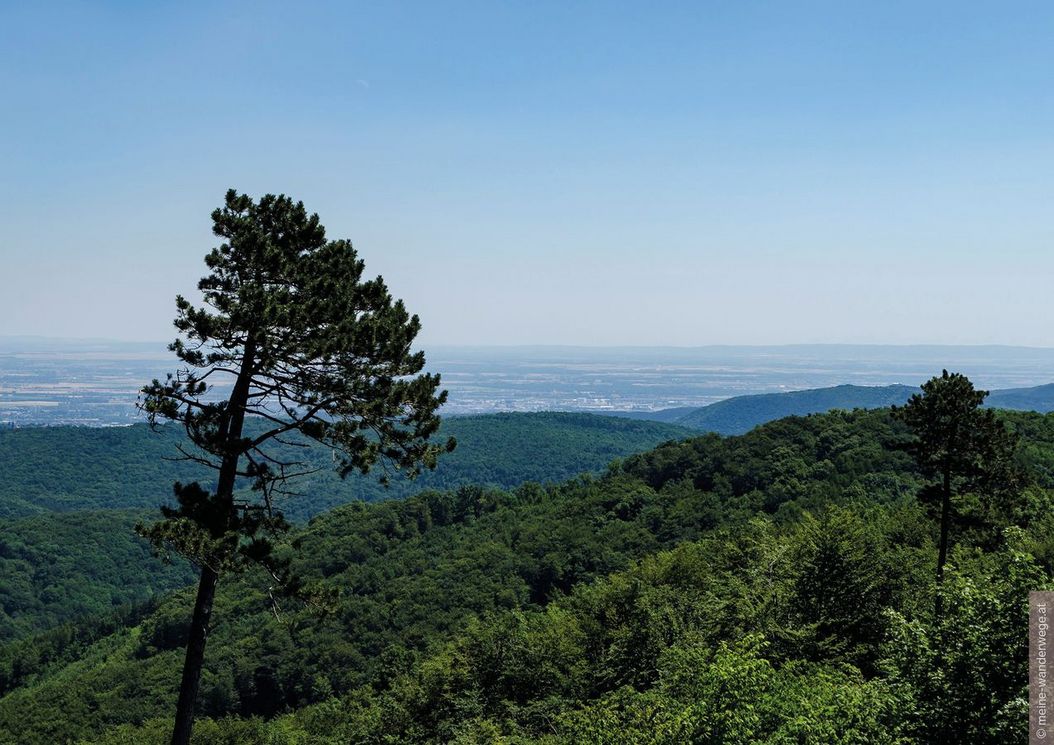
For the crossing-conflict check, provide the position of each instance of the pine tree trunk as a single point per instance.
(942, 554)
(199, 625)
(199, 630)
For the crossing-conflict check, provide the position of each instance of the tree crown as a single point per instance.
(954, 434)
(303, 343)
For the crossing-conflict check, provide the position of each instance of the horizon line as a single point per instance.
(37, 338)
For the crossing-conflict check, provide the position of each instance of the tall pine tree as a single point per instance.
(294, 337)
(958, 444)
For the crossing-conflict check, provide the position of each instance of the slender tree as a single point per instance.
(292, 341)
(958, 444)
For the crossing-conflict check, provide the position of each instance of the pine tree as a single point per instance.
(291, 336)
(960, 445)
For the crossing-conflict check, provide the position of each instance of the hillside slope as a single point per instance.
(402, 658)
(1040, 398)
(739, 414)
(57, 568)
(71, 468)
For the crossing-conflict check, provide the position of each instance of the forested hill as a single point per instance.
(72, 468)
(740, 414)
(63, 567)
(1040, 398)
(772, 587)
(734, 416)
(62, 558)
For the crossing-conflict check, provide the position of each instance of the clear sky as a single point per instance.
(565, 172)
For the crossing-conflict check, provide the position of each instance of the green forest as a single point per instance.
(57, 568)
(75, 555)
(649, 373)
(53, 469)
(773, 587)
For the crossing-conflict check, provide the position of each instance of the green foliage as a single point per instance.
(131, 467)
(967, 671)
(79, 468)
(775, 587)
(954, 436)
(732, 695)
(62, 568)
(843, 576)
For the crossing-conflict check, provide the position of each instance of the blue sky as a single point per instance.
(566, 173)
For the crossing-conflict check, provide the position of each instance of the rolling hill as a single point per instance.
(670, 600)
(57, 568)
(740, 414)
(734, 416)
(71, 495)
(50, 469)
(1039, 398)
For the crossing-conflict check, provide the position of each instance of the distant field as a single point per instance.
(97, 384)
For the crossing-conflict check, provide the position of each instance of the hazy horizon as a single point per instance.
(162, 343)
(96, 382)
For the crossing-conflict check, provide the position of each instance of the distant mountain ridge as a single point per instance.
(1038, 398)
(740, 414)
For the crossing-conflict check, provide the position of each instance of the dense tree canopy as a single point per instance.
(130, 467)
(673, 599)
